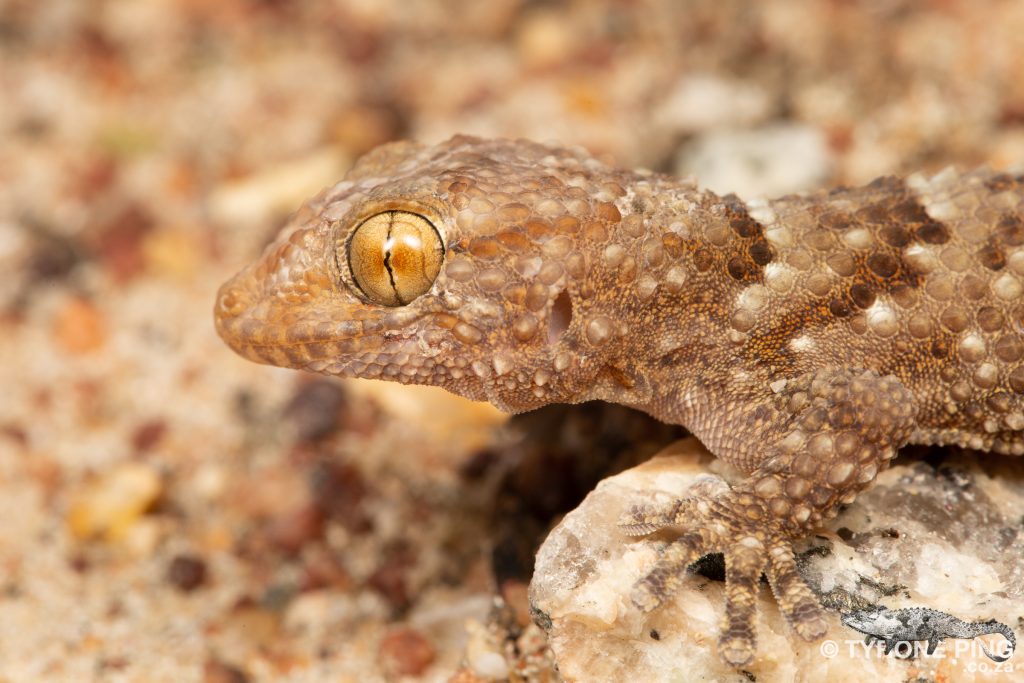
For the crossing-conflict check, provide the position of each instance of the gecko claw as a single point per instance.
(737, 650)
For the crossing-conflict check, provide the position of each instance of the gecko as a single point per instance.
(921, 623)
(803, 340)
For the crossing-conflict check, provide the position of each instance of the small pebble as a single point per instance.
(467, 675)
(186, 572)
(490, 665)
(323, 569)
(118, 242)
(253, 624)
(110, 505)
(309, 611)
(406, 652)
(338, 489)
(316, 408)
(53, 256)
(544, 38)
(79, 327)
(292, 531)
(219, 672)
(148, 434)
(482, 653)
(390, 581)
(173, 253)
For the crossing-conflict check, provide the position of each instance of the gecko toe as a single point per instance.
(795, 598)
(640, 520)
(668, 574)
(744, 562)
(752, 547)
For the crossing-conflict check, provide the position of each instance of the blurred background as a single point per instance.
(173, 513)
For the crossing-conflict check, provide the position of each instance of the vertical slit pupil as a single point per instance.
(387, 255)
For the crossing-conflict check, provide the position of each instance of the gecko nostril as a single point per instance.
(231, 302)
(561, 317)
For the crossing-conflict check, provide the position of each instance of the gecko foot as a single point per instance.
(718, 519)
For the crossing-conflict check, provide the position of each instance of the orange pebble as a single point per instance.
(79, 327)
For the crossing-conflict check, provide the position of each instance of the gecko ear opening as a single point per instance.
(561, 317)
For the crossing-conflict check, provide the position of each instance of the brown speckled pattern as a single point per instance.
(804, 339)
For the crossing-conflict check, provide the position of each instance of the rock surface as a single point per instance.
(945, 533)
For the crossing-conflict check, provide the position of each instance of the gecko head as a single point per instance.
(457, 265)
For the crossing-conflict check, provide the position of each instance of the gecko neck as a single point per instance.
(660, 275)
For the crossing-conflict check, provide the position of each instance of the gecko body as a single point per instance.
(803, 339)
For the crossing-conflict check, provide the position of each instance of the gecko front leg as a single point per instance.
(808, 447)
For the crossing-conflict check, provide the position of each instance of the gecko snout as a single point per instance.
(233, 302)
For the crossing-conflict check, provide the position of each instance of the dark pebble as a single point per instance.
(186, 572)
(316, 409)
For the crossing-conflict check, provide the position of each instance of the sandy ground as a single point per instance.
(173, 513)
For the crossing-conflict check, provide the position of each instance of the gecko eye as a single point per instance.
(394, 257)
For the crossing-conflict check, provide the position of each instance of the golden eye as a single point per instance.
(394, 257)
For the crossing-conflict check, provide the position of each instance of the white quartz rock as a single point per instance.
(586, 568)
